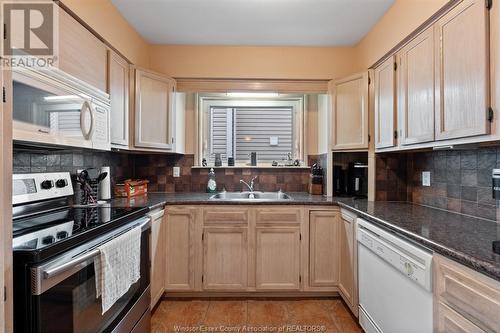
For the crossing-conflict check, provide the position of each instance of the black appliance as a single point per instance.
(357, 179)
(339, 181)
(54, 247)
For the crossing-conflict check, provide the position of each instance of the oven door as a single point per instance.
(63, 297)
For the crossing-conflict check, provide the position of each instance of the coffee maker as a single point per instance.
(357, 179)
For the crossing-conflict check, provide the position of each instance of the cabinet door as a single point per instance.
(462, 78)
(81, 54)
(180, 249)
(277, 258)
(157, 257)
(469, 293)
(350, 112)
(118, 88)
(225, 252)
(385, 104)
(448, 321)
(153, 111)
(416, 89)
(348, 262)
(323, 249)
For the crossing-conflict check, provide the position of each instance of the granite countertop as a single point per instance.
(158, 199)
(465, 239)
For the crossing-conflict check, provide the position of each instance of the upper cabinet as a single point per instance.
(350, 112)
(416, 89)
(81, 54)
(439, 83)
(154, 111)
(118, 89)
(385, 104)
(462, 80)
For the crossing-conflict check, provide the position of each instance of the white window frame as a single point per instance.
(208, 101)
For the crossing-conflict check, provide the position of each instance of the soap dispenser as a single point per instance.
(211, 184)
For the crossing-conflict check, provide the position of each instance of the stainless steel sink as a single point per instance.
(251, 196)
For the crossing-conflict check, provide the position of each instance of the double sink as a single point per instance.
(251, 196)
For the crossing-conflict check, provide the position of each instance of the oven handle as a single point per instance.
(51, 272)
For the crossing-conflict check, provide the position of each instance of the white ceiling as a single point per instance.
(253, 22)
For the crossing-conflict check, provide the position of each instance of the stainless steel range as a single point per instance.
(55, 246)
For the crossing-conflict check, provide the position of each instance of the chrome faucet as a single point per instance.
(250, 187)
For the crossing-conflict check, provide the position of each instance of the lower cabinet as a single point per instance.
(225, 258)
(348, 260)
(157, 256)
(323, 249)
(277, 258)
(464, 300)
(450, 321)
(180, 247)
(230, 248)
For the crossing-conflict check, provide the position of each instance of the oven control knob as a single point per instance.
(61, 183)
(47, 184)
(48, 240)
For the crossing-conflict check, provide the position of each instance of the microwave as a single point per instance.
(50, 107)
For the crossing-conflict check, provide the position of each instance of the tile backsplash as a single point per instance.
(34, 160)
(158, 169)
(460, 179)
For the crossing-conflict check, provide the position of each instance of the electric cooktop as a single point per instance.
(44, 235)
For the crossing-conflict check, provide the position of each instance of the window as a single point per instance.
(235, 128)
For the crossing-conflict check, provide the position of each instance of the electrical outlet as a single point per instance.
(426, 178)
(177, 172)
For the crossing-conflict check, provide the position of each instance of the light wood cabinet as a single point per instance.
(385, 104)
(225, 258)
(416, 89)
(348, 260)
(448, 321)
(462, 71)
(180, 248)
(350, 112)
(118, 89)
(323, 249)
(157, 256)
(154, 111)
(277, 258)
(81, 54)
(464, 300)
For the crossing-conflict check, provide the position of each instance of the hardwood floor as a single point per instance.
(202, 315)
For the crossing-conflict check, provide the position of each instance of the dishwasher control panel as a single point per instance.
(410, 263)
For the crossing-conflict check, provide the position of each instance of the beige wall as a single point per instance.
(251, 62)
(397, 23)
(255, 62)
(107, 21)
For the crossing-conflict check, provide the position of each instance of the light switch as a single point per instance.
(273, 140)
(177, 172)
(426, 178)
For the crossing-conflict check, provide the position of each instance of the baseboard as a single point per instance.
(251, 295)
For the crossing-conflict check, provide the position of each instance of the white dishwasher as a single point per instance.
(395, 283)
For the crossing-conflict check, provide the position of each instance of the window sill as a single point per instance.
(252, 167)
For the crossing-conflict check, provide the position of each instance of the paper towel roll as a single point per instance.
(105, 185)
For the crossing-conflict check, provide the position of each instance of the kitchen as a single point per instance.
(217, 166)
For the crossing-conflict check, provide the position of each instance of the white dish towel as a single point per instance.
(118, 267)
